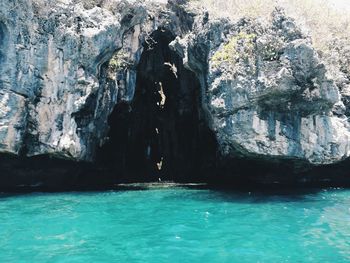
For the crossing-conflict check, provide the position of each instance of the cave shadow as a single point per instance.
(262, 196)
(20, 174)
(161, 135)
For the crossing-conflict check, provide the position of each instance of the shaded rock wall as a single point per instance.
(80, 81)
(268, 93)
(53, 100)
(162, 133)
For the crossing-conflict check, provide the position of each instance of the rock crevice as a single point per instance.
(157, 89)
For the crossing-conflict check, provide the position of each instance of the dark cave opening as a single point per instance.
(161, 135)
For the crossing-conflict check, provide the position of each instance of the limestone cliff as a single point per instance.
(256, 89)
(52, 100)
(268, 92)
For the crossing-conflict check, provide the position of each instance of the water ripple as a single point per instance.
(176, 225)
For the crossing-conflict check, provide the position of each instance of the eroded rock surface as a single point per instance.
(55, 97)
(264, 91)
(268, 93)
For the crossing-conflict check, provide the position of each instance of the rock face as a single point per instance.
(268, 92)
(262, 89)
(53, 97)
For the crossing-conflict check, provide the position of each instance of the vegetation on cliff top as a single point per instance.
(325, 20)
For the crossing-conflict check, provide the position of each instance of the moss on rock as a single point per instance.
(239, 46)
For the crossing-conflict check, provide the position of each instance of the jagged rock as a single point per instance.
(53, 97)
(265, 91)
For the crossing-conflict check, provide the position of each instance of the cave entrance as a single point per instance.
(161, 134)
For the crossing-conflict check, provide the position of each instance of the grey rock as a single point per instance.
(265, 90)
(55, 95)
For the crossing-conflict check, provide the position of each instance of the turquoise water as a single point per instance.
(176, 225)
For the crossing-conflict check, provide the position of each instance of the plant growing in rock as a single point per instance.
(324, 19)
(269, 48)
(119, 61)
(240, 47)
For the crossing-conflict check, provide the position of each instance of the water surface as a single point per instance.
(176, 225)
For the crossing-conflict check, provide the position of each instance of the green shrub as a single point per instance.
(119, 60)
(324, 19)
(229, 53)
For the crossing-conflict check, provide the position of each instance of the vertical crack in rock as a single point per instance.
(159, 135)
(271, 101)
(3, 36)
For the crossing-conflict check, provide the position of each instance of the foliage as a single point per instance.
(119, 60)
(230, 52)
(324, 19)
